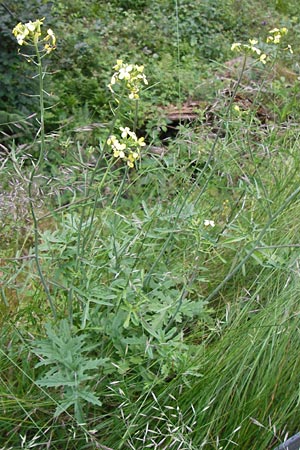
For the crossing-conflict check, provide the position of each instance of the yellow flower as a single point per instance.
(119, 154)
(20, 32)
(133, 96)
(119, 64)
(35, 28)
(125, 131)
(263, 58)
(274, 30)
(49, 47)
(124, 72)
(50, 37)
(253, 47)
(131, 158)
(256, 50)
(111, 140)
(236, 46)
(253, 41)
(120, 147)
(277, 38)
(141, 142)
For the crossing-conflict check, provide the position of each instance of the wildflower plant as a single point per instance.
(31, 34)
(126, 146)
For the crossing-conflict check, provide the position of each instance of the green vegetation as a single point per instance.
(149, 244)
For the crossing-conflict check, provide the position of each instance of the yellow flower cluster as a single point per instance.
(30, 33)
(127, 147)
(132, 75)
(250, 48)
(276, 34)
(274, 37)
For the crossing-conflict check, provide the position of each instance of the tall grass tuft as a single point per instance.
(246, 392)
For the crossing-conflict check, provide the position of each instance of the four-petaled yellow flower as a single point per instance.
(263, 58)
(51, 41)
(253, 47)
(117, 147)
(236, 46)
(124, 72)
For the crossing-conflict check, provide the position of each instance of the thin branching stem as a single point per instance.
(36, 169)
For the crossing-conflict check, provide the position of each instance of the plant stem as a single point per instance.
(37, 167)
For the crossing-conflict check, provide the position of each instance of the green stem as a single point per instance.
(83, 240)
(42, 108)
(136, 113)
(37, 167)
